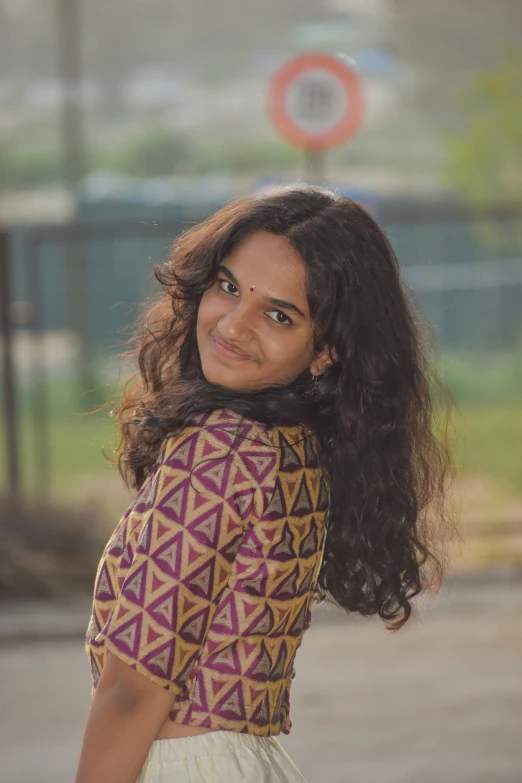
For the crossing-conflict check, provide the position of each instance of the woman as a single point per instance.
(280, 435)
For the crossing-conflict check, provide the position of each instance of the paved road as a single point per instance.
(438, 702)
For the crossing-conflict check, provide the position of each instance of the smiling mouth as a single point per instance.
(227, 350)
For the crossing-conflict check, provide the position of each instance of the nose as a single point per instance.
(236, 324)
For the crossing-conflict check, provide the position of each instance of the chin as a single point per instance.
(224, 371)
(221, 376)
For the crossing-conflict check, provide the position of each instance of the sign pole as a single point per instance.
(314, 166)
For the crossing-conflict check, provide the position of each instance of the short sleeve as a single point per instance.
(208, 486)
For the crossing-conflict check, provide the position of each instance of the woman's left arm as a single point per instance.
(198, 510)
(126, 714)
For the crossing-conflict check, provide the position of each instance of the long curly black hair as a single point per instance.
(380, 412)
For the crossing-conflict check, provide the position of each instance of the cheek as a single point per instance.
(210, 310)
(293, 351)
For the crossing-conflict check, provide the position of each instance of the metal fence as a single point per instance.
(86, 279)
(464, 266)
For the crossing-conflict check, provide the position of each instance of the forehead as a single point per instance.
(271, 264)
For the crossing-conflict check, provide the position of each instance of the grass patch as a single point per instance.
(485, 381)
(490, 443)
(487, 422)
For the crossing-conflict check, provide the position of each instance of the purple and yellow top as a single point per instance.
(206, 584)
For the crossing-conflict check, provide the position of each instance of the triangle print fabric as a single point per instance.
(205, 587)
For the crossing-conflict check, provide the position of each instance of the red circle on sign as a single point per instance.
(346, 127)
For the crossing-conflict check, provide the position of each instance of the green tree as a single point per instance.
(485, 157)
(157, 153)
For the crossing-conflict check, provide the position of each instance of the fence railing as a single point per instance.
(464, 266)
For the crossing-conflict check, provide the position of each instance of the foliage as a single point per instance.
(247, 157)
(155, 154)
(485, 157)
(28, 167)
(160, 152)
(487, 380)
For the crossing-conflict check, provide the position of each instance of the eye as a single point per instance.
(286, 322)
(231, 289)
(280, 317)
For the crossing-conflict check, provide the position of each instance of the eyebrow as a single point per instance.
(278, 302)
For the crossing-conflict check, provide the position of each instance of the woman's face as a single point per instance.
(254, 326)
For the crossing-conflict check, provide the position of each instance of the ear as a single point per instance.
(322, 361)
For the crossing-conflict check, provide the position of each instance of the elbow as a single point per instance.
(126, 699)
(125, 691)
(120, 698)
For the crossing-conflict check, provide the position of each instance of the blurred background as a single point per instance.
(123, 123)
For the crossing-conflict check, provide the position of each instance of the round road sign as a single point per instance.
(316, 101)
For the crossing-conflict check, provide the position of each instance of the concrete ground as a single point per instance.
(438, 702)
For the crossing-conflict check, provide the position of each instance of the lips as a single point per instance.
(224, 348)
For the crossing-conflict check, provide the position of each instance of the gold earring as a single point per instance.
(311, 390)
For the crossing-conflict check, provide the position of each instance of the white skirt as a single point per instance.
(219, 757)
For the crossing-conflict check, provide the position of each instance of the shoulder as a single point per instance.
(221, 455)
(220, 433)
(225, 435)
(225, 457)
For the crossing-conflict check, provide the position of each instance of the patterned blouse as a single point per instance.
(206, 585)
